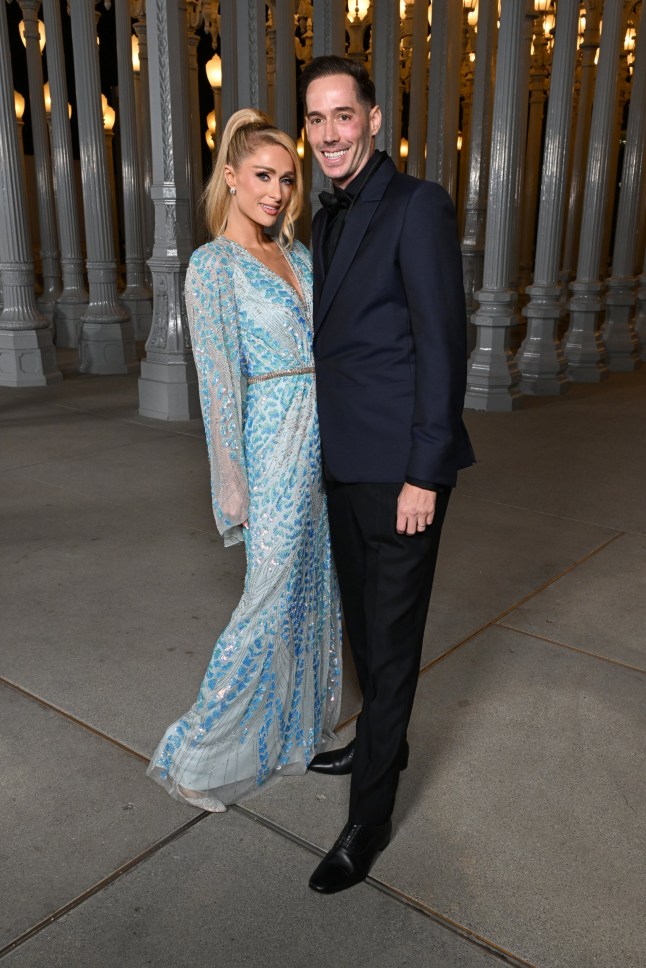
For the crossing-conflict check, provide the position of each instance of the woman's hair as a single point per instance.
(245, 131)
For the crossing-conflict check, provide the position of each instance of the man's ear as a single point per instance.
(375, 120)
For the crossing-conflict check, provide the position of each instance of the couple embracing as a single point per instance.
(332, 390)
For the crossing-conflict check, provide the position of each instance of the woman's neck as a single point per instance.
(249, 234)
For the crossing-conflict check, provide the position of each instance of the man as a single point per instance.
(390, 353)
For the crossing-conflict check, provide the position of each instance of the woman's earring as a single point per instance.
(232, 190)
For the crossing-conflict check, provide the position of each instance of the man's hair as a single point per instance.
(330, 65)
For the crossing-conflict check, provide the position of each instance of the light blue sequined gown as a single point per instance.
(270, 696)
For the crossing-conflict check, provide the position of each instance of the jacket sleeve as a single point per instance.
(212, 317)
(431, 267)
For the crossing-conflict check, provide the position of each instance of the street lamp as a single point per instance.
(41, 34)
(136, 63)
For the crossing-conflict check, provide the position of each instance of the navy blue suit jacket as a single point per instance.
(390, 336)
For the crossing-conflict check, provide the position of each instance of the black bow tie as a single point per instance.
(332, 203)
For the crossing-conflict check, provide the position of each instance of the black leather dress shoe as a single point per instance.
(339, 762)
(334, 762)
(351, 857)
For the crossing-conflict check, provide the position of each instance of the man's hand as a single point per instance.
(415, 509)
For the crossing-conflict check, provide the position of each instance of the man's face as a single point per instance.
(340, 129)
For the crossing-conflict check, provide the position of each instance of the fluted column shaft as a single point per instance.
(168, 384)
(580, 148)
(106, 343)
(444, 96)
(74, 298)
(27, 355)
(49, 253)
(145, 155)
(418, 91)
(385, 56)
(619, 334)
(137, 296)
(541, 360)
(197, 125)
(244, 55)
(475, 208)
(329, 38)
(493, 377)
(285, 87)
(583, 347)
(537, 94)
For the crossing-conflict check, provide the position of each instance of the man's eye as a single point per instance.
(344, 117)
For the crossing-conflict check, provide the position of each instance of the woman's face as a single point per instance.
(263, 184)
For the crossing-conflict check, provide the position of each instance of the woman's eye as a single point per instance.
(288, 181)
(263, 175)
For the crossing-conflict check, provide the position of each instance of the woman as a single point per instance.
(270, 697)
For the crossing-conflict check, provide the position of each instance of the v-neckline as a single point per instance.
(300, 295)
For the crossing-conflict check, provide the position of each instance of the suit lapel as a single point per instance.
(354, 229)
(318, 231)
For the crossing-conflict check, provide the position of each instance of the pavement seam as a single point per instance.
(442, 920)
(74, 719)
(102, 884)
(574, 648)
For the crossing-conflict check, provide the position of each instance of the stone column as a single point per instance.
(244, 56)
(475, 207)
(49, 253)
(196, 125)
(73, 301)
(137, 296)
(329, 38)
(541, 360)
(492, 382)
(106, 340)
(619, 334)
(385, 55)
(27, 356)
(538, 77)
(418, 91)
(168, 386)
(143, 128)
(580, 149)
(285, 88)
(583, 347)
(444, 96)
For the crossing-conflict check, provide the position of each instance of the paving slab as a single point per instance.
(34, 432)
(91, 622)
(232, 893)
(573, 456)
(521, 813)
(600, 606)
(167, 470)
(73, 807)
(490, 557)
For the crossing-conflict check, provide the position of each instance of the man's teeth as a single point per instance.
(334, 154)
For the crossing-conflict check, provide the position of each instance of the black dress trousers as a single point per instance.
(385, 580)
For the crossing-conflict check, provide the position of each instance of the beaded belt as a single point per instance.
(279, 373)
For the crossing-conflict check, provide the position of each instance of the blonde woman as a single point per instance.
(270, 696)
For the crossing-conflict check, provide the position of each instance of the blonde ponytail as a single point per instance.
(244, 132)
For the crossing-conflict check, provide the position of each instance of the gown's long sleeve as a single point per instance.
(212, 317)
